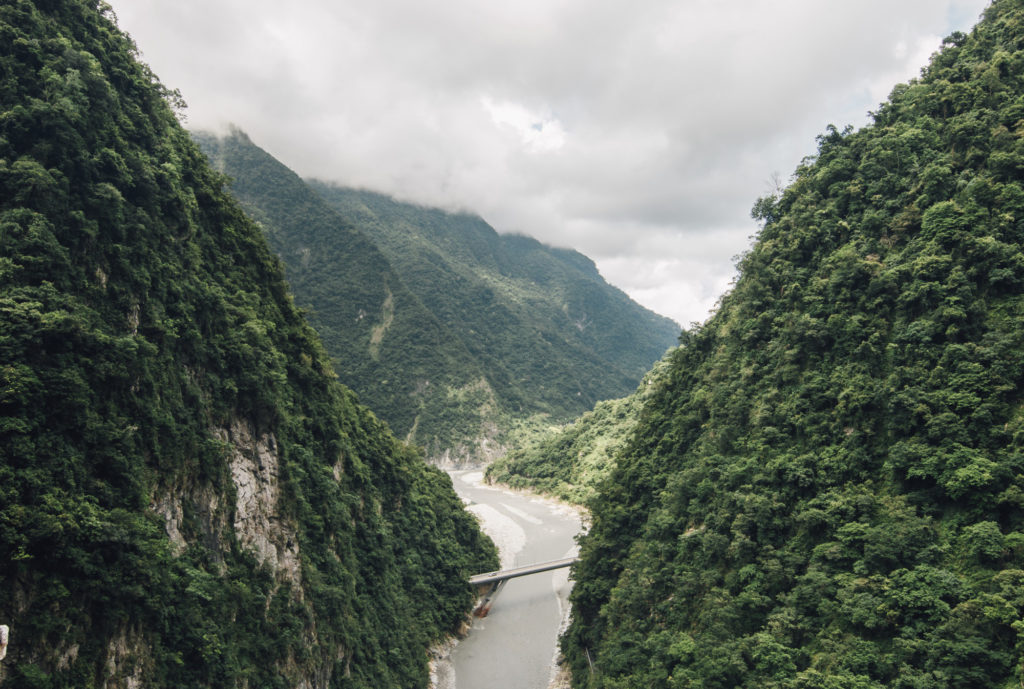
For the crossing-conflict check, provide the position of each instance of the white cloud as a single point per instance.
(539, 133)
(638, 133)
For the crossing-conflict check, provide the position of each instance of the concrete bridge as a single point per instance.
(489, 584)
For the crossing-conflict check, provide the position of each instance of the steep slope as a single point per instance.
(827, 491)
(383, 342)
(571, 461)
(187, 496)
(551, 335)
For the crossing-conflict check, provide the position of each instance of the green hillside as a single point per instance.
(188, 497)
(551, 335)
(571, 461)
(383, 342)
(828, 490)
(452, 333)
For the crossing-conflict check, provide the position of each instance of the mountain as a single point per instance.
(383, 342)
(571, 461)
(550, 333)
(188, 497)
(448, 330)
(828, 488)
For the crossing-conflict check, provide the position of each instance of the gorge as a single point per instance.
(221, 403)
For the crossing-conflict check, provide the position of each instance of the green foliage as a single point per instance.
(447, 330)
(550, 336)
(141, 315)
(826, 490)
(570, 461)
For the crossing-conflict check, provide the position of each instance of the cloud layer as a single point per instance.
(638, 133)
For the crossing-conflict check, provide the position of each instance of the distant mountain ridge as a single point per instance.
(450, 331)
(577, 303)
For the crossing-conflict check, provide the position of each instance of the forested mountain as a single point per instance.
(188, 497)
(555, 292)
(448, 330)
(551, 334)
(405, 365)
(828, 489)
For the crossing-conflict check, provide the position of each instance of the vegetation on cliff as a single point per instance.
(828, 489)
(188, 497)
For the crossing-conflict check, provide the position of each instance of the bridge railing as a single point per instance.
(502, 575)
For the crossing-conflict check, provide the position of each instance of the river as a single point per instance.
(515, 646)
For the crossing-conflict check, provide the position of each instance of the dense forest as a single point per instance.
(550, 334)
(452, 333)
(570, 461)
(828, 488)
(188, 497)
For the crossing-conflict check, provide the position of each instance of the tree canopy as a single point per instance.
(827, 490)
(150, 350)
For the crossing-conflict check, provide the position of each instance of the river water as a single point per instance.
(515, 646)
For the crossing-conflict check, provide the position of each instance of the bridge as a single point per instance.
(490, 583)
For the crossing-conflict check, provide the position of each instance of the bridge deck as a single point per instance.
(502, 575)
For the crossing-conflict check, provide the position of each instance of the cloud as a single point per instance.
(638, 133)
(537, 132)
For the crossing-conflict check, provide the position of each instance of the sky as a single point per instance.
(639, 133)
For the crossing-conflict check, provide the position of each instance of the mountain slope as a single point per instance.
(383, 342)
(188, 497)
(551, 334)
(452, 333)
(827, 491)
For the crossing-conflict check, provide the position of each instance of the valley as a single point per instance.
(226, 392)
(452, 333)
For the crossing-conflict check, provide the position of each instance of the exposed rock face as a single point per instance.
(168, 506)
(204, 502)
(254, 463)
(484, 450)
(258, 524)
(129, 661)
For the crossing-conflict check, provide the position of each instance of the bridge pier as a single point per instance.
(488, 592)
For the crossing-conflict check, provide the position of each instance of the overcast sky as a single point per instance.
(639, 133)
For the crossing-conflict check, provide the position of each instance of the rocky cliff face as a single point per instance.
(259, 523)
(256, 513)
